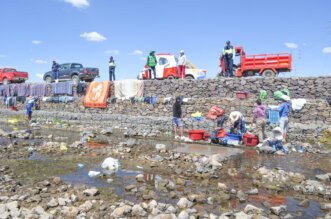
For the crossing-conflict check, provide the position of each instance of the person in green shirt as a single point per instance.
(112, 67)
(151, 63)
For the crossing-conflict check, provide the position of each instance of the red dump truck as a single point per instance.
(267, 65)
(11, 75)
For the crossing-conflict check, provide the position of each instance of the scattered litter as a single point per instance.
(139, 167)
(110, 164)
(80, 165)
(93, 174)
(63, 147)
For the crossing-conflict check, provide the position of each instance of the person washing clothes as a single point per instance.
(276, 141)
(55, 71)
(182, 64)
(112, 67)
(284, 110)
(260, 119)
(237, 123)
(151, 63)
(228, 55)
(29, 106)
(177, 117)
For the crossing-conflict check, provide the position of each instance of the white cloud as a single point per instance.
(36, 42)
(38, 61)
(78, 3)
(114, 52)
(137, 52)
(291, 45)
(93, 36)
(326, 50)
(2, 56)
(40, 76)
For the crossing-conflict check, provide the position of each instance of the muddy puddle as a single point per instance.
(74, 169)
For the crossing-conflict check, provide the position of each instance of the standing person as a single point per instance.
(228, 55)
(177, 117)
(112, 67)
(55, 70)
(284, 110)
(260, 119)
(182, 64)
(29, 106)
(151, 63)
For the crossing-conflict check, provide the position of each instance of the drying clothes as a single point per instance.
(133, 100)
(97, 94)
(23, 90)
(10, 101)
(5, 90)
(166, 100)
(62, 88)
(160, 100)
(147, 100)
(154, 100)
(39, 90)
(298, 104)
(81, 88)
(129, 88)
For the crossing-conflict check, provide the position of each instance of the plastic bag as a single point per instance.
(215, 112)
(263, 95)
(110, 164)
(278, 94)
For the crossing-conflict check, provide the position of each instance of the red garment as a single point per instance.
(181, 71)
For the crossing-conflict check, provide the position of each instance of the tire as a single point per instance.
(248, 73)
(170, 77)
(5, 81)
(48, 80)
(190, 77)
(75, 79)
(268, 73)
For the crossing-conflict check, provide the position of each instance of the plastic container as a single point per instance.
(206, 136)
(273, 116)
(234, 136)
(241, 94)
(196, 135)
(250, 140)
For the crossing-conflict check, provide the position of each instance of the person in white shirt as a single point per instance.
(182, 64)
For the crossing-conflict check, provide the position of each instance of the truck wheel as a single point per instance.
(248, 73)
(170, 77)
(48, 80)
(268, 73)
(190, 77)
(5, 81)
(75, 79)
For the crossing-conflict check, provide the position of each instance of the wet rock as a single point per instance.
(131, 142)
(87, 206)
(171, 210)
(161, 148)
(130, 187)
(278, 210)
(304, 203)
(265, 150)
(251, 209)
(107, 131)
(184, 203)
(171, 185)
(254, 191)
(241, 196)
(232, 172)
(138, 211)
(181, 181)
(70, 212)
(173, 195)
(91, 192)
(52, 203)
(57, 180)
(183, 215)
(224, 197)
(140, 178)
(324, 177)
(326, 206)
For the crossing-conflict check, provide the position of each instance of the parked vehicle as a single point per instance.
(11, 75)
(73, 71)
(267, 65)
(167, 68)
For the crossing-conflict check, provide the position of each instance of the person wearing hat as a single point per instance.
(55, 71)
(237, 123)
(151, 63)
(260, 119)
(284, 110)
(228, 55)
(182, 64)
(112, 66)
(177, 117)
(276, 140)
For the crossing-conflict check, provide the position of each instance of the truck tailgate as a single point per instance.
(19, 74)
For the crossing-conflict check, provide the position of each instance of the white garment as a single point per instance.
(129, 88)
(298, 104)
(182, 60)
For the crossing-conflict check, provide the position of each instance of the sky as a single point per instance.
(35, 32)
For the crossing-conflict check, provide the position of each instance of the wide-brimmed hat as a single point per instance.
(277, 133)
(234, 116)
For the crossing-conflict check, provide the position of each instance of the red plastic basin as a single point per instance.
(196, 135)
(250, 140)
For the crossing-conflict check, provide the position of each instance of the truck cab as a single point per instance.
(167, 68)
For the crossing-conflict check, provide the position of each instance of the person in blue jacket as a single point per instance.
(284, 110)
(55, 71)
(29, 106)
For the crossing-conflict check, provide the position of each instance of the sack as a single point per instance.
(215, 112)
(263, 95)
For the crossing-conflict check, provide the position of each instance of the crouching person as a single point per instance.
(276, 141)
(237, 123)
